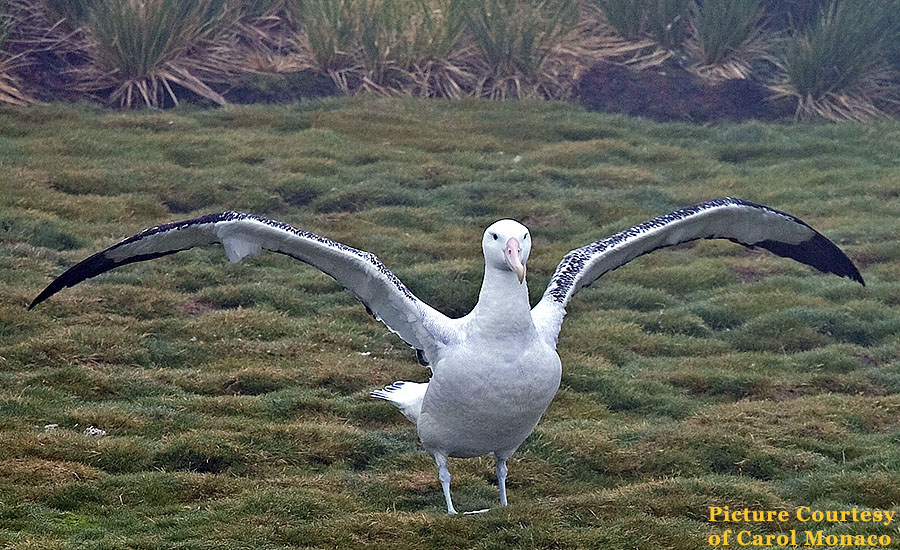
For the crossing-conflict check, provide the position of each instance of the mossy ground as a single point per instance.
(235, 397)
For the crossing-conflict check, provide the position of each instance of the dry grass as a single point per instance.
(12, 89)
(836, 68)
(864, 103)
(23, 31)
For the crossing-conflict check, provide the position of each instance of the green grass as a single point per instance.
(235, 396)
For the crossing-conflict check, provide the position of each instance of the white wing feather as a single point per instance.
(242, 235)
(740, 221)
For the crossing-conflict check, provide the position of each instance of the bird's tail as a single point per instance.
(406, 396)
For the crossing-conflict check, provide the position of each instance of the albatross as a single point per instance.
(494, 371)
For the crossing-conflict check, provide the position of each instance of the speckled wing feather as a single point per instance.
(383, 294)
(737, 220)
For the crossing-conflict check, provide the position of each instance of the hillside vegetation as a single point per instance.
(234, 397)
(833, 59)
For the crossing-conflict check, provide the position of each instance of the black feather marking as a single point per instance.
(818, 252)
(91, 267)
(420, 357)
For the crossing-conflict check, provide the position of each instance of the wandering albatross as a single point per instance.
(495, 370)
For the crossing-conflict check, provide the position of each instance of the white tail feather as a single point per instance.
(406, 396)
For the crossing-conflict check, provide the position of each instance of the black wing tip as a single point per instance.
(818, 252)
(100, 263)
(51, 289)
(44, 294)
(854, 275)
(833, 260)
(55, 286)
(85, 269)
(40, 298)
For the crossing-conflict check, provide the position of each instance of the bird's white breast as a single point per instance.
(488, 395)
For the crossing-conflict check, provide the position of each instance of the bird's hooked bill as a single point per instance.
(514, 259)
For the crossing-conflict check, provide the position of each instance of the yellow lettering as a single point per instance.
(813, 539)
(714, 511)
(884, 540)
(741, 540)
(865, 515)
(800, 516)
(890, 516)
(783, 516)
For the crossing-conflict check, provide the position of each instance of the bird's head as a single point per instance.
(506, 245)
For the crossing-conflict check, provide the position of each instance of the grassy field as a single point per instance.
(234, 397)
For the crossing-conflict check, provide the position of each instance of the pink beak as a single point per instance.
(514, 259)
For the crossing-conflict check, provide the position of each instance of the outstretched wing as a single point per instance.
(383, 294)
(737, 220)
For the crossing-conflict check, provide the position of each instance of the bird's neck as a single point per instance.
(503, 306)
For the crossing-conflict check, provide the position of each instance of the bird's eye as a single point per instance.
(494, 235)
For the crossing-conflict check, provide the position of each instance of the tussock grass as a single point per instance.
(836, 69)
(628, 17)
(515, 39)
(388, 47)
(667, 22)
(645, 32)
(235, 397)
(727, 38)
(142, 49)
(157, 53)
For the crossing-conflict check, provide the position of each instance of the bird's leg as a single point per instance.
(444, 476)
(501, 479)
